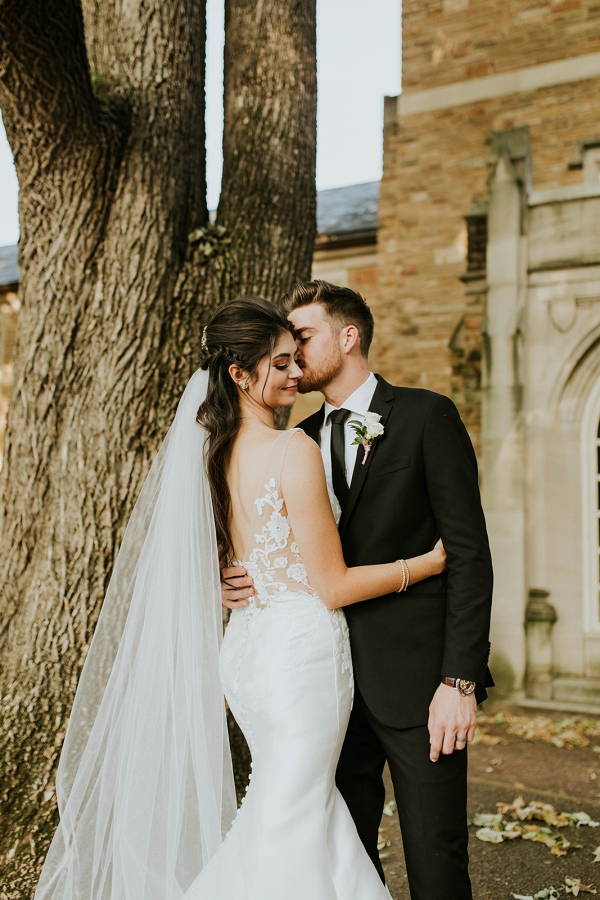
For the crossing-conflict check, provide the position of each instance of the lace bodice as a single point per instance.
(272, 556)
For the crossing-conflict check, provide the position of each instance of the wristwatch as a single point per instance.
(463, 686)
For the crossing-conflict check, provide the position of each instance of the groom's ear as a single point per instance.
(349, 338)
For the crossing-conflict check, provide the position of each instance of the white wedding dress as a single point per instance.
(286, 671)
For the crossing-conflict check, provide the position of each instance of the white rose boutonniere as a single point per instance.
(367, 432)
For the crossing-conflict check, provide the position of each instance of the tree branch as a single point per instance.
(269, 139)
(45, 87)
(150, 54)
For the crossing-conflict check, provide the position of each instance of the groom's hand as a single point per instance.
(236, 587)
(450, 716)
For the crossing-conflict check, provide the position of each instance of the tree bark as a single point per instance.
(104, 107)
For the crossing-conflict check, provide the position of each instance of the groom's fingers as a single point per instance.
(236, 587)
(436, 741)
(449, 741)
(232, 573)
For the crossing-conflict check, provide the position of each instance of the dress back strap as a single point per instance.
(269, 484)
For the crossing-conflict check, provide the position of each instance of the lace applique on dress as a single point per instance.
(272, 555)
(273, 538)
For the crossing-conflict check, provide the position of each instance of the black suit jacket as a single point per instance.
(419, 482)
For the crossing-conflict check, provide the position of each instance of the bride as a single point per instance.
(145, 786)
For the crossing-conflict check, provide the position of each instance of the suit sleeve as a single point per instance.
(451, 474)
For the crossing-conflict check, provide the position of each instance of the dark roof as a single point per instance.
(346, 212)
(9, 269)
(343, 214)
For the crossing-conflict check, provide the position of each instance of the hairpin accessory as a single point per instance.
(203, 341)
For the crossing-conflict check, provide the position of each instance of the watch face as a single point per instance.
(466, 687)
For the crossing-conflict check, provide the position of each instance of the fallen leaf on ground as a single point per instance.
(549, 893)
(382, 841)
(487, 819)
(575, 887)
(489, 835)
(544, 812)
(483, 737)
(495, 828)
(582, 818)
(596, 853)
(572, 731)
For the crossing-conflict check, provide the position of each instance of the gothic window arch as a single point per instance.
(591, 508)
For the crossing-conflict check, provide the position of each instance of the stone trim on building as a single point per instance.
(530, 78)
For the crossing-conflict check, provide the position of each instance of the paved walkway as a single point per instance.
(569, 779)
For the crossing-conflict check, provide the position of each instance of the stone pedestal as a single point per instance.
(540, 617)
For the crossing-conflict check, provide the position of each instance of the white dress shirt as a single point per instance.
(358, 403)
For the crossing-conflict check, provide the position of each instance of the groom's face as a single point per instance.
(319, 352)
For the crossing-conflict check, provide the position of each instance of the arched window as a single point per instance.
(591, 509)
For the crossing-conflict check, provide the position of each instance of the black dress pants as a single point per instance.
(431, 799)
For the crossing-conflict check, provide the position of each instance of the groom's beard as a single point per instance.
(316, 378)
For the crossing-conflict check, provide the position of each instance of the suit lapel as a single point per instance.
(380, 404)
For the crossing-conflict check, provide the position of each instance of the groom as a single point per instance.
(419, 657)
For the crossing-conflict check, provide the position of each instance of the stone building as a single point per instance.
(489, 291)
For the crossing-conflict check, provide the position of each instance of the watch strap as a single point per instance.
(462, 685)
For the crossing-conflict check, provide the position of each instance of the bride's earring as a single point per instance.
(244, 385)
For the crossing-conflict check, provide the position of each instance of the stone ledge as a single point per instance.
(529, 78)
(590, 709)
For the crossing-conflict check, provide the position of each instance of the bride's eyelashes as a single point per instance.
(283, 366)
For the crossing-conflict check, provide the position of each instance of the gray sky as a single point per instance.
(358, 50)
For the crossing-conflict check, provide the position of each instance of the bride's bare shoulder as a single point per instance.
(303, 456)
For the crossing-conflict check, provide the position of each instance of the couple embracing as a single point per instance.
(383, 522)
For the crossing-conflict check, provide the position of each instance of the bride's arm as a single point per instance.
(309, 511)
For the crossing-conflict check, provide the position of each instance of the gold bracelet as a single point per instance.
(402, 587)
(405, 575)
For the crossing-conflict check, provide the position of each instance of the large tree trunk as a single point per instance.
(112, 178)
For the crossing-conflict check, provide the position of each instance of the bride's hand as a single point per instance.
(439, 556)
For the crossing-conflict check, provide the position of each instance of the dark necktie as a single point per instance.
(338, 455)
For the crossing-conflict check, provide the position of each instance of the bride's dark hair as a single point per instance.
(241, 332)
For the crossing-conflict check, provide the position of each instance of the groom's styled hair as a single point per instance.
(341, 305)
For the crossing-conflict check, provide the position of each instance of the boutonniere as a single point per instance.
(367, 432)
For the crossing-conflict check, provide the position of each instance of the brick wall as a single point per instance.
(435, 168)
(446, 41)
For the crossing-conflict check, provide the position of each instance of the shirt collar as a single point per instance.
(357, 403)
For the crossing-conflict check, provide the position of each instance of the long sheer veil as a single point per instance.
(145, 784)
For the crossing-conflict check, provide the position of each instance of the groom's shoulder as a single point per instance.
(312, 424)
(418, 398)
